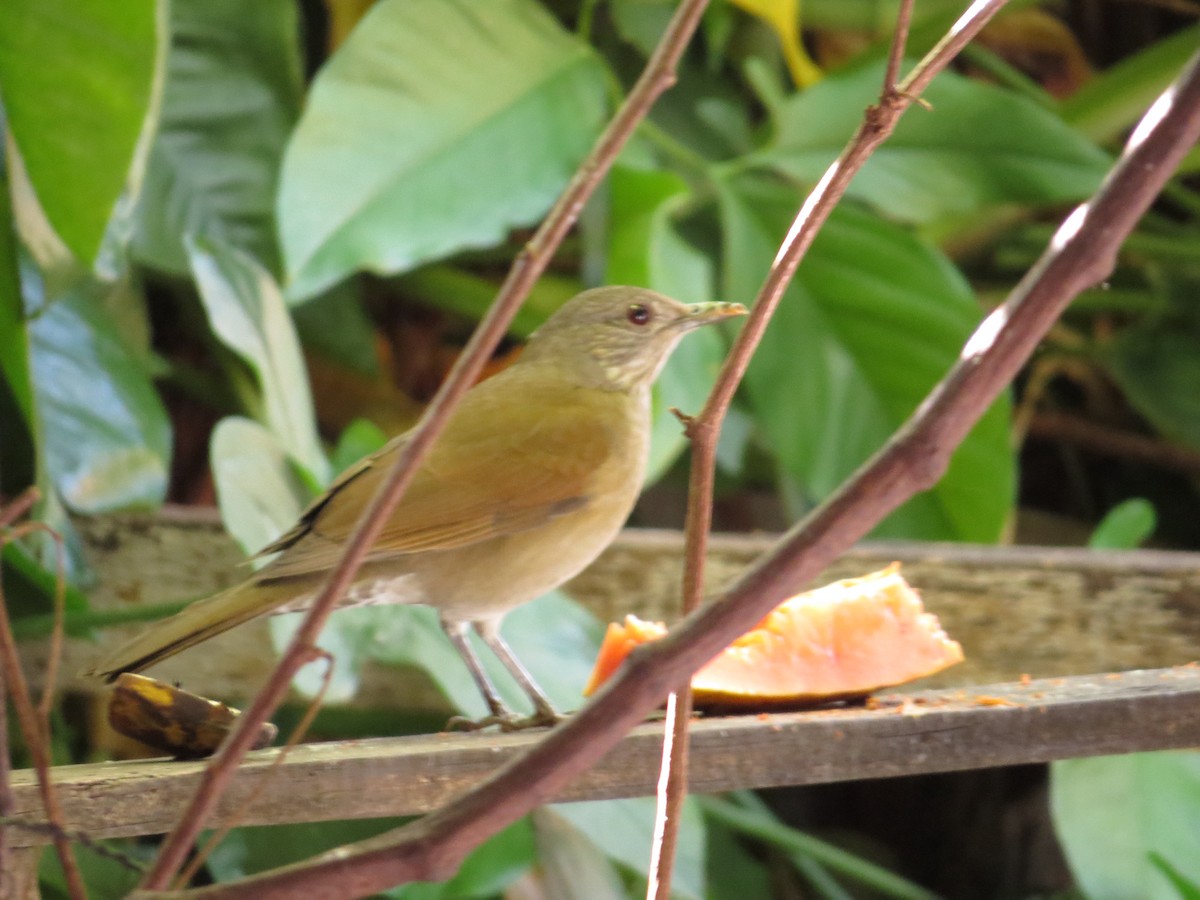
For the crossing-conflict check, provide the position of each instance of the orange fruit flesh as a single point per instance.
(846, 639)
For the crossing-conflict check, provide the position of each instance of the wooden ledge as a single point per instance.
(896, 734)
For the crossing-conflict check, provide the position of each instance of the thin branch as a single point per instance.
(658, 75)
(705, 429)
(1082, 253)
(34, 727)
(219, 834)
(891, 75)
(18, 507)
(1113, 442)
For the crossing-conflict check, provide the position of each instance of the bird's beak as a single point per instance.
(702, 313)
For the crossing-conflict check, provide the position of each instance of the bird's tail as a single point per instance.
(194, 623)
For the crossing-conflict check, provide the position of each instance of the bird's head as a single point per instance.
(618, 338)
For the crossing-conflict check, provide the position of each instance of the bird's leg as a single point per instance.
(501, 715)
(545, 713)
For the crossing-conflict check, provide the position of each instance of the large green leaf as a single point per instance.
(569, 862)
(439, 125)
(872, 320)
(232, 95)
(257, 488)
(78, 80)
(645, 249)
(18, 463)
(1116, 98)
(1113, 814)
(980, 145)
(1152, 364)
(248, 313)
(105, 435)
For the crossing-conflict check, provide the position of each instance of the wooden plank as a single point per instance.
(1037, 610)
(902, 734)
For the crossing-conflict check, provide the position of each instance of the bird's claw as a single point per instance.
(506, 721)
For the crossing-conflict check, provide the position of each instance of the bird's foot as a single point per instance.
(506, 721)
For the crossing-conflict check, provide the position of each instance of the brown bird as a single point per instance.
(533, 476)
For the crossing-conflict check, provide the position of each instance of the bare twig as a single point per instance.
(705, 428)
(18, 507)
(54, 651)
(1113, 442)
(34, 725)
(297, 735)
(528, 266)
(1082, 253)
(891, 75)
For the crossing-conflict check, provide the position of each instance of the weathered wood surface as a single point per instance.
(932, 731)
(1036, 610)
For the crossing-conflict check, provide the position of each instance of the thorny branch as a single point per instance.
(1082, 253)
(658, 75)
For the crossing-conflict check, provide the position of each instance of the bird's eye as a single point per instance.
(638, 314)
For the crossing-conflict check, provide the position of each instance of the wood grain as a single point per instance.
(904, 734)
(1037, 610)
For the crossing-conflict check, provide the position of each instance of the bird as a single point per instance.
(538, 468)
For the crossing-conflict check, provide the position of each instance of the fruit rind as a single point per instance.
(842, 640)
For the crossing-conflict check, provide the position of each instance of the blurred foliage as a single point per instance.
(249, 240)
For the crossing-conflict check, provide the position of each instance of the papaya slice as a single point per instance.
(840, 641)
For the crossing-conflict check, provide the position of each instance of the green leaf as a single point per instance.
(624, 830)
(248, 850)
(979, 146)
(103, 873)
(105, 434)
(1116, 98)
(1126, 526)
(358, 439)
(18, 461)
(569, 862)
(258, 490)
(334, 325)
(873, 319)
(78, 82)
(743, 811)
(248, 313)
(439, 125)
(1186, 888)
(232, 95)
(460, 292)
(1112, 813)
(489, 870)
(734, 872)
(1150, 364)
(645, 249)
(29, 589)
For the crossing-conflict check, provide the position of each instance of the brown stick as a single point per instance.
(34, 727)
(1082, 253)
(1113, 442)
(704, 430)
(528, 266)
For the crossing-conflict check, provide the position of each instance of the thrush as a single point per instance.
(533, 476)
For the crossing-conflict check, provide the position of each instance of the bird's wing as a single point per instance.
(477, 483)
